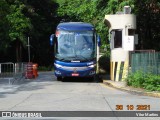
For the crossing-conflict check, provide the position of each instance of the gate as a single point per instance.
(145, 61)
(11, 72)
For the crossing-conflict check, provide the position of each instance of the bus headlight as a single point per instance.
(58, 66)
(92, 66)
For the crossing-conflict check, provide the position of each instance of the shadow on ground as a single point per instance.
(97, 79)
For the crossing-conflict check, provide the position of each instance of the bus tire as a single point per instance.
(97, 79)
(59, 78)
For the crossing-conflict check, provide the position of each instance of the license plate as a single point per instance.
(75, 74)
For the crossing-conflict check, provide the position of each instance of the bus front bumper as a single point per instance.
(89, 72)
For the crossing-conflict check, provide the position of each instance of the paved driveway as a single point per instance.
(47, 94)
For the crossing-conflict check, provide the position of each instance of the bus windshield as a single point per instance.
(75, 46)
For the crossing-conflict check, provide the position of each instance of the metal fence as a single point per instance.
(11, 72)
(146, 61)
(20, 70)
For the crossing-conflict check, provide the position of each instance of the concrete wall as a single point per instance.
(118, 54)
(120, 21)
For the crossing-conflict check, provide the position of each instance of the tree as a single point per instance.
(85, 11)
(38, 20)
(42, 14)
(4, 40)
(148, 24)
(19, 26)
(92, 11)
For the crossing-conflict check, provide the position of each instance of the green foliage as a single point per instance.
(85, 11)
(44, 20)
(92, 11)
(19, 24)
(136, 79)
(148, 22)
(77, 10)
(152, 82)
(147, 81)
(20, 19)
(4, 41)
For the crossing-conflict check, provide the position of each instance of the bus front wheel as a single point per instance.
(59, 78)
(97, 78)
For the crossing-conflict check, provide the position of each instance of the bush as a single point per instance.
(44, 68)
(152, 82)
(136, 79)
(104, 63)
(147, 81)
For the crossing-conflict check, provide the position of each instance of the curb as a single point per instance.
(129, 89)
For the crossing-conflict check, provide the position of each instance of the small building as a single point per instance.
(122, 38)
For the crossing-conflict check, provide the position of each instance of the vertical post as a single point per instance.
(97, 71)
(0, 68)
(15, 67)
(28, 50)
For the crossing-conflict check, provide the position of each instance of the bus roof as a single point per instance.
(75, 26)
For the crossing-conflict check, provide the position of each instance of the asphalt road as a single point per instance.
(47, 94)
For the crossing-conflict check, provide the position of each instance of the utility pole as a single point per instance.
(28, 50)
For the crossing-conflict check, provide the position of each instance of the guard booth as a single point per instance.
(123, 39)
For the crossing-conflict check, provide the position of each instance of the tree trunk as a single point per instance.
(18, 51)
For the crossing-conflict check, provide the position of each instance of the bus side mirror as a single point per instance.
(98, 40)
(51, 40)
